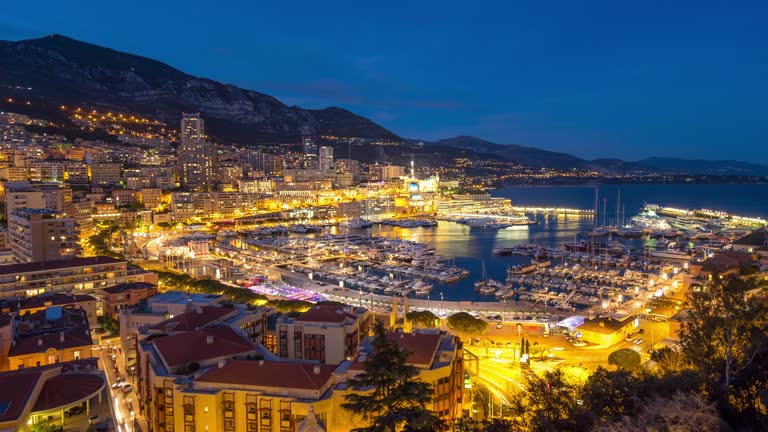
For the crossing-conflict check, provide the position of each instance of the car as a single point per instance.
(127, 388)
(509, 344)
(117, 385)
(498, 326)
(499, 344)
(528, 318)
(580, 343)
(477, 341)
(628, 338)
(75, 410)
(641, 331)
(120, 379)
(638, 341)
(92, 419)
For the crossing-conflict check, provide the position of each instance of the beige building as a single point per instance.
(36, 234)
(105, 174)
(74, 275)
(328, 334)
(232, 392)
(151, 197)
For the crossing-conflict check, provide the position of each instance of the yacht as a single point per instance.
(671, 254)
(356, 223)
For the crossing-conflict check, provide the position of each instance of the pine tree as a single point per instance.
(391, 397)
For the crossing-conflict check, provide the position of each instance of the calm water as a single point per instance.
(470, 247)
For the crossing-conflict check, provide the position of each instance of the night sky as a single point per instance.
(596, 79)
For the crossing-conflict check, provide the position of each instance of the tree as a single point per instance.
(424, 319)
(726, 338)
(43, 426)
(552, 404)
(625, 358)
(463, 322)
(669, 360)
(609, 395)
(388, 393)
(684, 412)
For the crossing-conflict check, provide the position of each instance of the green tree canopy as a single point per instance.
(463, 322)
(726, 338)
(424, 319)
(625, 358)
(388, 394)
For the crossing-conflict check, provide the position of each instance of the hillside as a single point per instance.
(57, 70)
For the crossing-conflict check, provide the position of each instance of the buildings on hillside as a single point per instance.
(39, 234)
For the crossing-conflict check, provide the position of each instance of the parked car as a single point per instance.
(638, 341)
(498, 326)
(75, 410)
(127, 388)
(580, 343)
(641, 331)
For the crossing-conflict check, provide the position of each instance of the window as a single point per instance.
(77, 355)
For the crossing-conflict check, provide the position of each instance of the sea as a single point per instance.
(471, 248)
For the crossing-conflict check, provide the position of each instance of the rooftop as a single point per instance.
(604, 325)
(757, 237)
(69, 338)
(194, 319)
(270, 374)
(421, 347)
(18, 387)
(195, 346)
(51, 299)
(180, 297)
(133, 286)
(57, 264)
(327, 314)
(66, 389)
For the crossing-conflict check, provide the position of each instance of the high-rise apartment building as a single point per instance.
(325, 158)
(36, 234)
(192, 128)
(308, 146)
(198, 164)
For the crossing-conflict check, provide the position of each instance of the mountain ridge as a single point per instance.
(62, 70)
(540, 158)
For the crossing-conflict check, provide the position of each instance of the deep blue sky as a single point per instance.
(595, 78)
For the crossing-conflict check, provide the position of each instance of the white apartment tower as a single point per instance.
(198, 163)
(325, 158)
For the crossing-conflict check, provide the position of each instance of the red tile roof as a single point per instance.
(193, 346)
(421, 348)
(73, 337)
(325, 313)
(270, 374)
(57, 264)
(54, 300)
(17, 387)
(194, 319)
(66, 389)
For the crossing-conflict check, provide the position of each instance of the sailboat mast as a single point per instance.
(596, 209)
(618, 206)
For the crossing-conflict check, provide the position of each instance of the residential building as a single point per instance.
(198, 162)
(74, 275)
(150, 197)
(325, 158)
(28, 305)
(124, 295)
(38, 234)
(106, 174)
(392, 172)
(50, 336)
(325, 333)
(230, 392)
